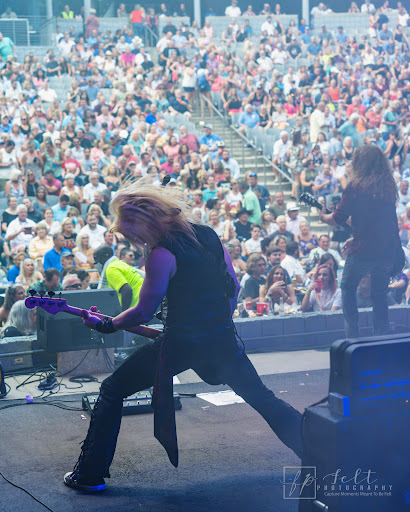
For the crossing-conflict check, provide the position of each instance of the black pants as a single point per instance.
(137, 373)
(354, 270)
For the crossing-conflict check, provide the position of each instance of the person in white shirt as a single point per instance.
(324, 242)
(46, 94)
(20, 231)
(367, 7)
(291, 263)
(279, 56)
(317, 122)
(230, 163)
(233, 10)
(92, 187)
(280, 150)
(94, 231)
(66, 45)
(268, 27)
(323, 294)
(254, 243)
(293, 219)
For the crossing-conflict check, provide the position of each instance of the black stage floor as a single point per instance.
(230, 460)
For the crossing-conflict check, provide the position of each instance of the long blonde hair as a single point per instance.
(146, 214)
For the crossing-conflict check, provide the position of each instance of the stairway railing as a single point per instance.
(248, 143)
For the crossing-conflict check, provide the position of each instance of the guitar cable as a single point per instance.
(27, 492)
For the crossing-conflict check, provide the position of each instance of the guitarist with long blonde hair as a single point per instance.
(190, 274)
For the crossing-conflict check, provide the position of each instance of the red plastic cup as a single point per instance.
(248, 306)
(262, 308)
(318, 286)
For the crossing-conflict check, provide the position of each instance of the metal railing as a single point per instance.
(248, 144)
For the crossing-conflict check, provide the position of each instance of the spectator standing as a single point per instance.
(250, 202)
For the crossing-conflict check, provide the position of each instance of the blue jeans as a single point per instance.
(354, 270)
(137, 373)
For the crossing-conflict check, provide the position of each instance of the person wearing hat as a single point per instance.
(67, 260)
(294, 50)
(250, 202)
(210, 139)
(293, 219)
(242, 225)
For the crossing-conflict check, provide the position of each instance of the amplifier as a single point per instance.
(138, 403)
(64, 332)
(340, 451)
(369, 373)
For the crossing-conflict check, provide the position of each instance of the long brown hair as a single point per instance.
(372, 173)
(146, 214)
(269, 279)
(332, 276)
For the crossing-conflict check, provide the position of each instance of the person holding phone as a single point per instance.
(276, 287)
(20, 230)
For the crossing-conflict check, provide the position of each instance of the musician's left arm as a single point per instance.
(160, 268)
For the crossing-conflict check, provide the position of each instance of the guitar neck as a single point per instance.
(142, 330)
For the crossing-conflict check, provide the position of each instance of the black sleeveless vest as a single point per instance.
(197, 298)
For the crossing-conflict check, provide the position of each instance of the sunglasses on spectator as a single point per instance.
(252, 174)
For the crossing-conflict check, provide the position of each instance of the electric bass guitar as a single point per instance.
(57, 305)
(309, 200)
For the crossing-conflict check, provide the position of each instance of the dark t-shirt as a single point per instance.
(243, 231)
(374, 223)
(252, 285)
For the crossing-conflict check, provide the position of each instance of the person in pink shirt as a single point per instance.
(106, 117)
(127, 57)
(189, 139)
(216, 81)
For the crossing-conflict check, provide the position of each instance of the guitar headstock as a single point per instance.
(309, 200)
(46, 302)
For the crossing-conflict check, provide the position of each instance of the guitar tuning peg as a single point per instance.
(51, 294)
(32, 292)
(41, 294)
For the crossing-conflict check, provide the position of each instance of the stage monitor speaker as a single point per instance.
(340, 451)
(64, 332)
(369, 373)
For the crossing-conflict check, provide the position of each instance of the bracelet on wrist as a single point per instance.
(105, 326)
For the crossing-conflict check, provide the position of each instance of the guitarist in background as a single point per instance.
(190, 274)
(369, 201)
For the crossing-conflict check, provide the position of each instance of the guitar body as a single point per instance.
(58, 305)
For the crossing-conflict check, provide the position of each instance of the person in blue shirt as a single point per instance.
(305, 39)
(60, 209)
(14, 271)
(52, 258)
(341, 36)
(248, 119)
(210, 192)
(313, 48)
(151, 118)
(209, 139)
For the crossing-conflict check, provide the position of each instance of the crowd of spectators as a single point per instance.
(63, 158)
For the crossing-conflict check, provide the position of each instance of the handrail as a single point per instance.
(153, 36)
(249, 142)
